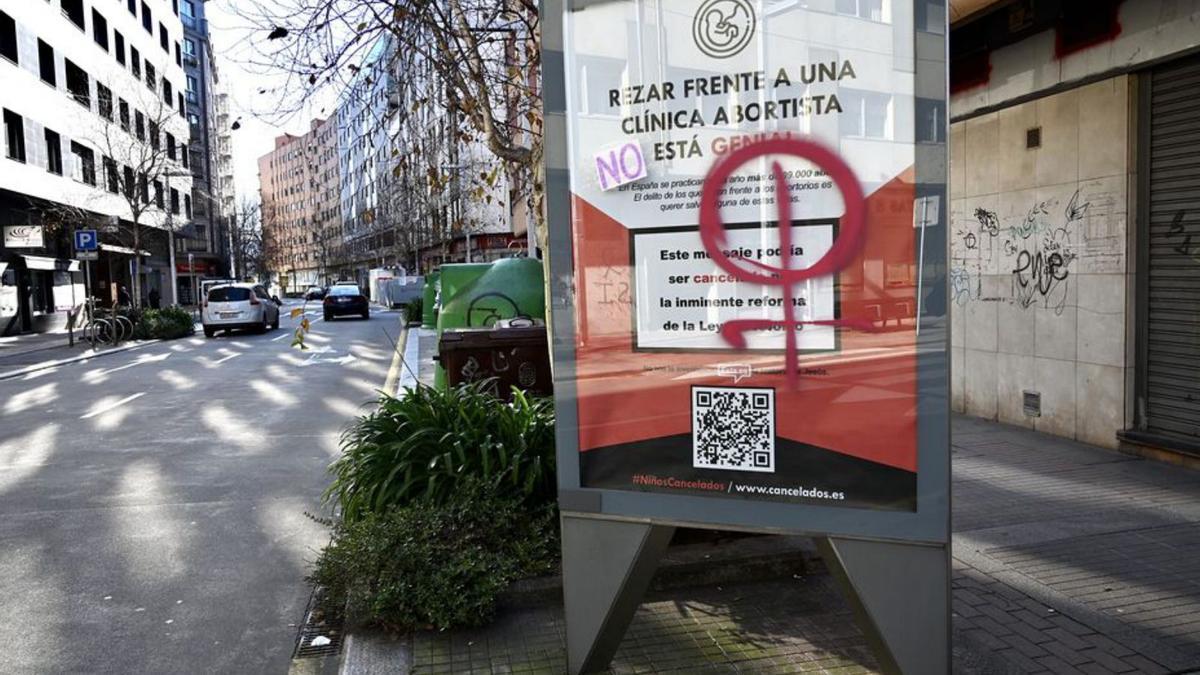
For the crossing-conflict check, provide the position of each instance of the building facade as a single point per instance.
(301, 213)
(1075, 219)
(94, 128)
(204, 251)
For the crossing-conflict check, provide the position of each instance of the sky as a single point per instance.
(234, 46)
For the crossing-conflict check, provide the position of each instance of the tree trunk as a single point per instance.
(135, 295)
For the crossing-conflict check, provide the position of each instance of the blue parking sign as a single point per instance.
(86, 240)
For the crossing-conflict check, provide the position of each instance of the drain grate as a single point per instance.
(318, 625)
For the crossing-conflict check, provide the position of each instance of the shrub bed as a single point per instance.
(167, 323)
(413, 310)
(444, 498)
(427, 443)
(436, 565)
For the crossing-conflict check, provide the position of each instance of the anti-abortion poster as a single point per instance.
(745, 247)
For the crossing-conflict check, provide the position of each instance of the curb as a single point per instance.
(74, 359)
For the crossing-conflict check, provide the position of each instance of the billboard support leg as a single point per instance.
(900, 594)
(607, 566)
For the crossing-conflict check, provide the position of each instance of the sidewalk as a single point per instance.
(23, 353)
(1067, 559)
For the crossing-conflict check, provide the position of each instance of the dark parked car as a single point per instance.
(314, 293)
(344, 299)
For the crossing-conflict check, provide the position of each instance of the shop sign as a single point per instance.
(23, 236)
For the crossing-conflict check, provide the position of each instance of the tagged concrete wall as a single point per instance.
(1041, 271)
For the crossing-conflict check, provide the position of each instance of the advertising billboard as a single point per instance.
(757, 320)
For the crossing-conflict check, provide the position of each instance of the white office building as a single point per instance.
(93, 118)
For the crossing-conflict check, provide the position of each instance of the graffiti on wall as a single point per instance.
(1035, 250)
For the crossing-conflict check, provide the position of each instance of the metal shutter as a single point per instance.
(1172, 338)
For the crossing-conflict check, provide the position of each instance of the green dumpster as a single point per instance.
(428, 306)
(475, 295)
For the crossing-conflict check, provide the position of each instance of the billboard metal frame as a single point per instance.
(866, 549)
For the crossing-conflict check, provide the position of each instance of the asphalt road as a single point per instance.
(152, 503)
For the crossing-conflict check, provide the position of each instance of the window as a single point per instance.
(123, 111)
(151, 77)
(54, 158)
(189, 47)
(147, 19)
(46, 64)
(132, 5)
(8, 38)
(14, 136)
(139, 125)
(135, 61)
(143, 188)
(178, 55)
(111, 180)
(83, 164)
(182, 107)
(119, 46)
(100, 29)
(168, 92)
(189, 13)
(170, 146)
(187, 207)
(229, 294)
(78, 84)
(163, 40)
(183, 155)
(174, 201)
(158, 193)
(931, 120)
(192, 86)
(104, 101)
(875, 10)
(866, 113)
(155, 139)
(127, 185)
(74, 11)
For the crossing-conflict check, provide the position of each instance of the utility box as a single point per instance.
(515, 356)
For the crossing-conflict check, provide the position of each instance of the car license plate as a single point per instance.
(229, 315)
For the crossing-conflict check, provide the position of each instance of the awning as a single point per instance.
(37, 262)
(123, 250)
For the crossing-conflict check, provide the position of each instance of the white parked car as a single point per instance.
(235, 306)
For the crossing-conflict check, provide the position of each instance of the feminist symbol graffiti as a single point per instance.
(843, 251)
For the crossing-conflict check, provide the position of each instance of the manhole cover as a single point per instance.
(321, 632)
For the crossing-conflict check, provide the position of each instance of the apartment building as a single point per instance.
(301, 212)
(94, 135)
(204, 252)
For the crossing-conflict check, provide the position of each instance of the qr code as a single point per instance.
(733, 428)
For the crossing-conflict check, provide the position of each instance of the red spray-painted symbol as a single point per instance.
(843, 251)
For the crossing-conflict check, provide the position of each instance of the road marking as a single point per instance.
(223, 360)
(112, 406)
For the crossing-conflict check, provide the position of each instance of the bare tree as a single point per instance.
(246, 241)
(476, 63)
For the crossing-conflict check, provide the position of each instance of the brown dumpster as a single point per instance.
(516, 356)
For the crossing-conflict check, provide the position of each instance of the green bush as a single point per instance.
(428, 443)
(413, 310)
(437, 565)
(167, 323)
